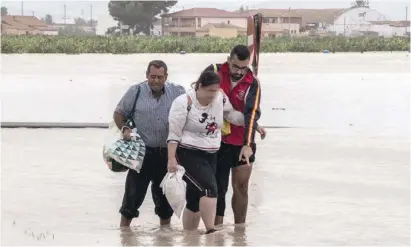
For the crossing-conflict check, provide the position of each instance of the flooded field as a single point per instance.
(340, 176)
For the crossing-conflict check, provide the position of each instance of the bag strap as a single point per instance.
(215, 68)
(189, 103)
(224, 98)
(135, 102)
(216, 71)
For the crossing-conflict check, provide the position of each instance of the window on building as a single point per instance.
(198, 22)
(228, 22)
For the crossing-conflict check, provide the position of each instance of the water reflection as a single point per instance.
(239, 236)
(216, 239)
(191, 238)
(168, 236)
(161, 236)
(127, 236)
(311, 186)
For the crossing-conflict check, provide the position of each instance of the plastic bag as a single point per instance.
(174, 188)
(120, 155)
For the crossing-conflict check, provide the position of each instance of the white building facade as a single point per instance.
(353, 21)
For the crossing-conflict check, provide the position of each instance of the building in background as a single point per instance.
(27, 25)
(222, 30)
(188, 22)
(351, 21)
(387, 28)
(156, 30)
(196, 22)
(277, 22)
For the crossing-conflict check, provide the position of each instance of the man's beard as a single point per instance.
(236, 77)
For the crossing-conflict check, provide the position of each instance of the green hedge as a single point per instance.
(171, 44)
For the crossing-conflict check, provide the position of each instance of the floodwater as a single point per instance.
(340, 176)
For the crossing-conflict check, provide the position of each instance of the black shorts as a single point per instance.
(153, 170)
(228, 157)
(200, 178)
(229, 154)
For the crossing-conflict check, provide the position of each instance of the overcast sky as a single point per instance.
(392, 9)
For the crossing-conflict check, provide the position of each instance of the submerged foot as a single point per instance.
(210, 231)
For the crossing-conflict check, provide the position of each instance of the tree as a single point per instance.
(115, 30)
(139, 15)
(80, 21)
(94, 24)
(48, 19)
(4, 11)
(241, 10)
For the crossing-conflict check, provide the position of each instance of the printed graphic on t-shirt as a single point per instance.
(210, 125)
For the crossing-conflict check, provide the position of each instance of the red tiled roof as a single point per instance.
(12, 23)
(269, 13)
(204, 12)
(26, 23)
(308, 15)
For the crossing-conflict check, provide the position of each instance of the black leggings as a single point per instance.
(200, 169)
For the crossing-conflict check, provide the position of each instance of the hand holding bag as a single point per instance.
(121, 155)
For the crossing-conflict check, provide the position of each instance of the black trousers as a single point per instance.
(200, 169)
(153, 170)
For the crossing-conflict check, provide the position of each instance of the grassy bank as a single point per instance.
(129, 44)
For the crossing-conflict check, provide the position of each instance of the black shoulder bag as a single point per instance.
(130, 121)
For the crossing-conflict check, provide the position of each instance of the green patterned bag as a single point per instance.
(120, 155)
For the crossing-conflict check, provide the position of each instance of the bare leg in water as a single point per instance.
(208, 210)
(191, 220)
(240, 179)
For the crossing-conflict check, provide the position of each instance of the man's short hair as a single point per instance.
(157, 64)
(241, 51)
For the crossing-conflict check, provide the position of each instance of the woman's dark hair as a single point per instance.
(207, 78)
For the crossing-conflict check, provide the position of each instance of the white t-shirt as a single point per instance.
(200, 128)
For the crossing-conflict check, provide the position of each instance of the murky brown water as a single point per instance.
(340, 178)
(309, 187)
(370, 90)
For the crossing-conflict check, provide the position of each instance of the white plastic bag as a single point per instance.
(129, 154)
(174, 188)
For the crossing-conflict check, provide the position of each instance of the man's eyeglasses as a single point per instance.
(238, 68)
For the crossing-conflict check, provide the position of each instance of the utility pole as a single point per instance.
(406, 20)
(91, 15)
(65, 14)
(344, 25)
(289, 21)
(32, 12)
(22, 12)
(82, 14)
